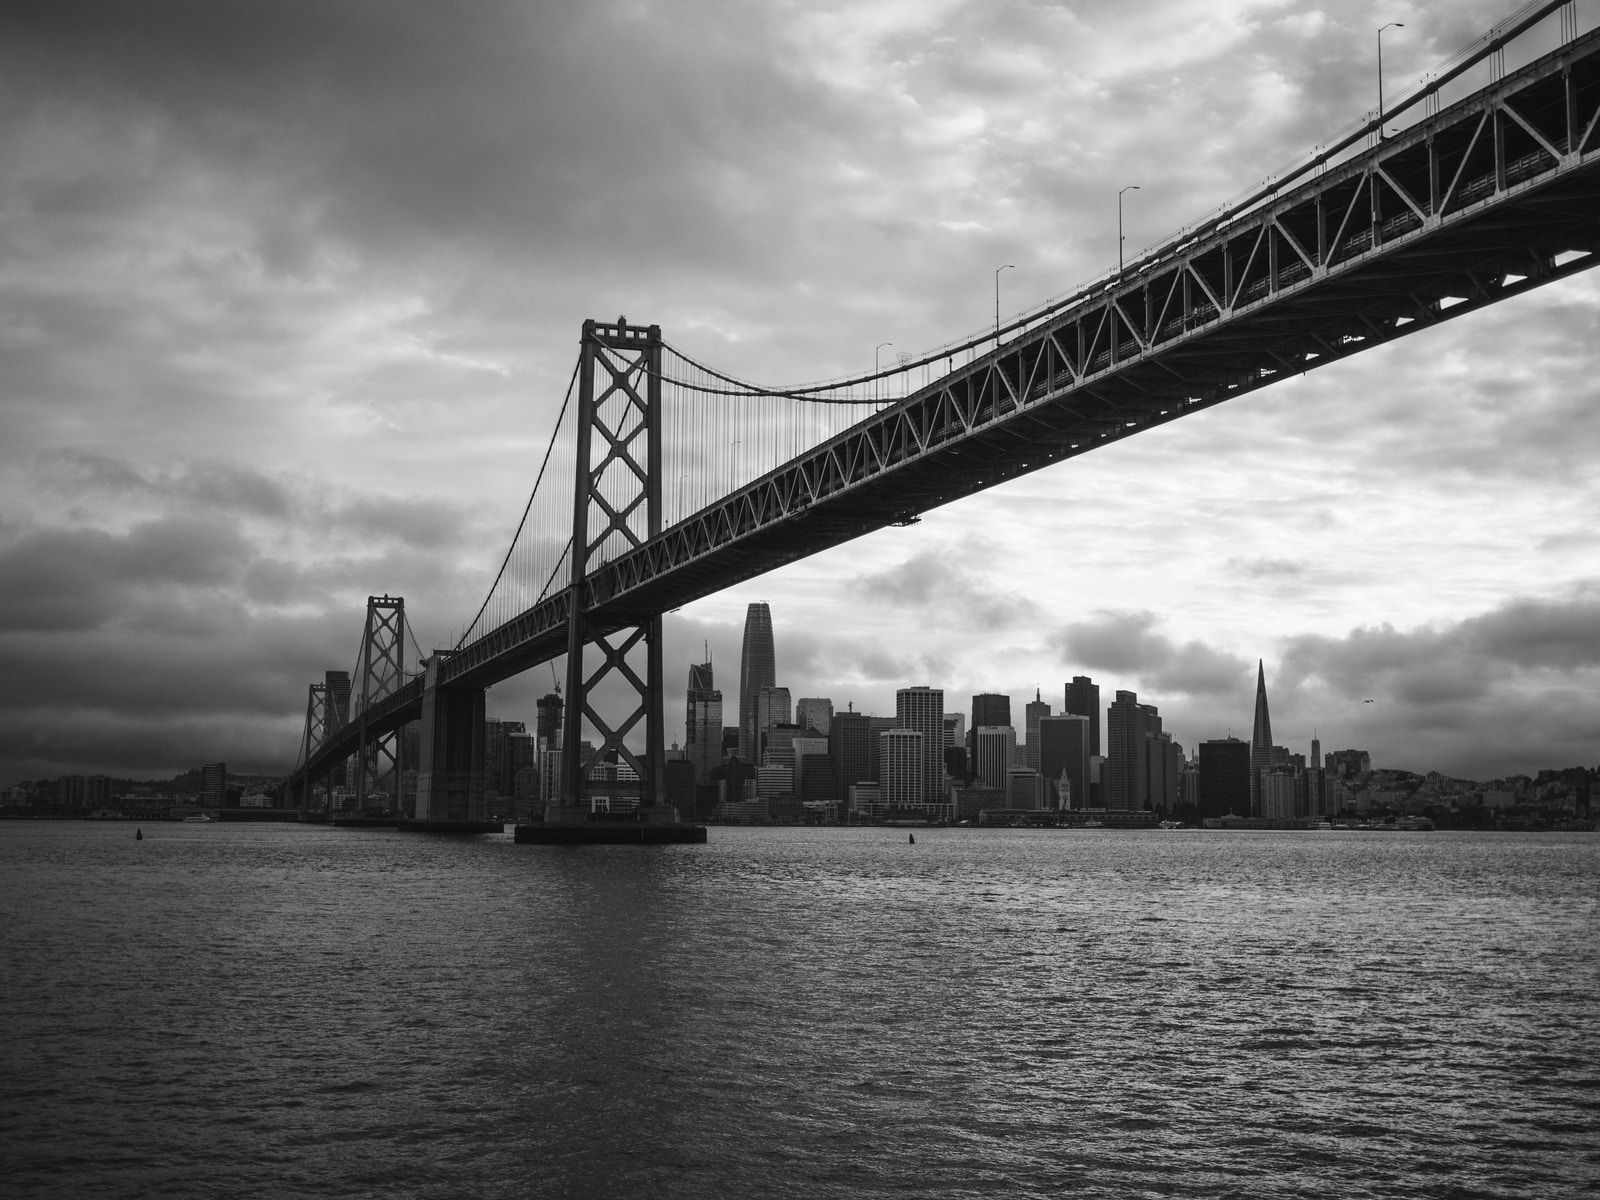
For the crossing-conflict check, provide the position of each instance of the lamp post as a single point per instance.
(1381, 28)
(877, 384)
(1132, 187)
(997, 270)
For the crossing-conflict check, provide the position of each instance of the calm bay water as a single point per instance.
(234, 1010)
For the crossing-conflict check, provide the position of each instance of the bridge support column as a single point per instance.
(450, 773)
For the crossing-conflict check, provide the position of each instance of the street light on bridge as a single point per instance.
(1132, 187)
(1381, 28)
(997, 270)
(877, 384)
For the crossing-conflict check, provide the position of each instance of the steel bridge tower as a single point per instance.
(616, 509)
(383, 662)
(319, 716)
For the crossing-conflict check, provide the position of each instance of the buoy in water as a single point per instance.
(138, 835)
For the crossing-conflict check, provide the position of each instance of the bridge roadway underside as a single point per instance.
(1493, 196)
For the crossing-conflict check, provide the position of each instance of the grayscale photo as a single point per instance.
(723, 601)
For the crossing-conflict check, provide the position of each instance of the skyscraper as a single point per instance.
(758, 668)
(850, 746)
(1157, 762)
(922, 709)
(989, 709)
(901, 768)
(996, 748)
(214, 784)
(1224, 778)
(702, 729)
(1064, 751)
(1261, 756)
(1126, 780)
(812, 712)
(772, 710)
(1032, 712)
(955, 730)
(1083, 699)
(547, 719)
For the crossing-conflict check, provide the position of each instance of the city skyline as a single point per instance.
(259, 365)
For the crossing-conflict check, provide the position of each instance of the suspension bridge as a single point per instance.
(666, 480)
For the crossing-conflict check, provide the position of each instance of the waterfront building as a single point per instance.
(969, 802)
(1279, 790)
(758, 668)
(214, 784)
(922, 709)
(1024, 788)
(1083, 700)
(866, 801)
(1223, 782)
(813, 776)
(1064, 751)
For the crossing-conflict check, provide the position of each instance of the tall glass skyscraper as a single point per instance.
(758, 668)
(702, 733)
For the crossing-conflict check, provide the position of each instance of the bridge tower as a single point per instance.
(616, 508)
(383, 660)
(318, 715)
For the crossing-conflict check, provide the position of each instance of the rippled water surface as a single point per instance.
(236, 1010)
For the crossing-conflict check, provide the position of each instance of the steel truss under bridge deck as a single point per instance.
(1489, 197)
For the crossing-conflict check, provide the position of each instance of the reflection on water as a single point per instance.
(264, 1011)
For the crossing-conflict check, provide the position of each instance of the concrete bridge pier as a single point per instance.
(450, 772)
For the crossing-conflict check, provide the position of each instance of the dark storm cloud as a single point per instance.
(62, 579)
(1454, 661)
(1509, 690)
(1127, 643)
(499, 120)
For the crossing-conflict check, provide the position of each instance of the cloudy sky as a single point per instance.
(289, 294)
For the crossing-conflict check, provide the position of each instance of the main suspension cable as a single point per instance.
(554, 436)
